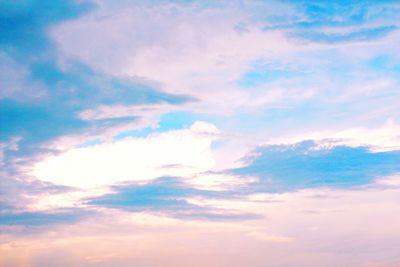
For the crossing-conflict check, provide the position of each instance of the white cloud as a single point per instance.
(219, 181)
(271, 238)
(383, 138)
(389, 181)
(185, 48)
(179, 153)
(365, 89)
(71, 199)
(118, 111)
(197, 49)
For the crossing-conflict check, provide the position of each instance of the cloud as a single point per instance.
(168, 196)
(68, 94)
(30, 21)
(317, 227)
(338, 22)
(382, 138)
(135, 123)
(55, 92)
(271, 238)
(178, 153)
(32, 219)
(191, 49)
(195, 48)
(43, 96)
(389, 181)
(319, 14)
(15, 81)
(357, 35)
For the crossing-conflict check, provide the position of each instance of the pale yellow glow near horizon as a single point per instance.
(312, 227)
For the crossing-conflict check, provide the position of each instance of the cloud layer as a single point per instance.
(199, 133)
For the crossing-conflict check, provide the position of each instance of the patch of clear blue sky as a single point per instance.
(313, 17)
(305, 165)
(339, 13)
(339, 70)
(261, 73)
(169, 121)
(90, 143)
(358, 35)
(385, 65)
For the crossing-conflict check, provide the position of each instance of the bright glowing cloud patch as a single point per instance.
(176, 153)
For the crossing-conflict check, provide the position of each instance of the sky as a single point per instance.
(181, 133)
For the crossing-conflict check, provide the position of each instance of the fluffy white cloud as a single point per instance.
(178, 153)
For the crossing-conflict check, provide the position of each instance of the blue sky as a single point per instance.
(196, 125)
